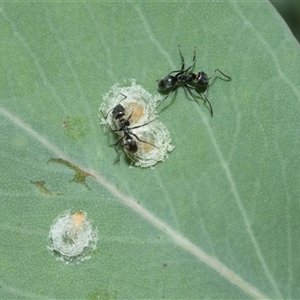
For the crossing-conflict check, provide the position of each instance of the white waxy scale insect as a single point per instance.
(72, 237)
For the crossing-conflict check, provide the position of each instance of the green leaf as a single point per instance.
(218, 219)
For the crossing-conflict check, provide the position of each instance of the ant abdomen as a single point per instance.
(130, 144)
(166, 83)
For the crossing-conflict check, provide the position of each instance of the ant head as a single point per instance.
(202, 79)
(118, 112)
(166, 83)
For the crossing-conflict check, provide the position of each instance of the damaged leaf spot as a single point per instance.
(102, 294)
(75, 127)
(80, 175)
(41, 186)
(43, 189)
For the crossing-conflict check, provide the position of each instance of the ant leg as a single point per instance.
(123, 98)
(189, 87)
(179, 72)
(182, 59)
(138, 126)
(217, 70)
(117, 129)
(205, 92)
(130, 115)
(115, 147)
(142, 141)
(162, 101)
(194, 57)
(105, 117)
(193, 62)
(182, 67)
(206, 100)
(118, 157)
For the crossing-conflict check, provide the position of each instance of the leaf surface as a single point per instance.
(218, 219)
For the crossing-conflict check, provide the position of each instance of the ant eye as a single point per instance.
(72, 237)
(130, 113)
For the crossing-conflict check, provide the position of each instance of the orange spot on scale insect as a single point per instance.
(78, 219)
(146, 147)
(137, 110)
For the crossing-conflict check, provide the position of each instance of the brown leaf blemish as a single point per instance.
(80, 175)
(41, 186)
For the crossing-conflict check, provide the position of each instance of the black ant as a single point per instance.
(188, 80)
(128, 141)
